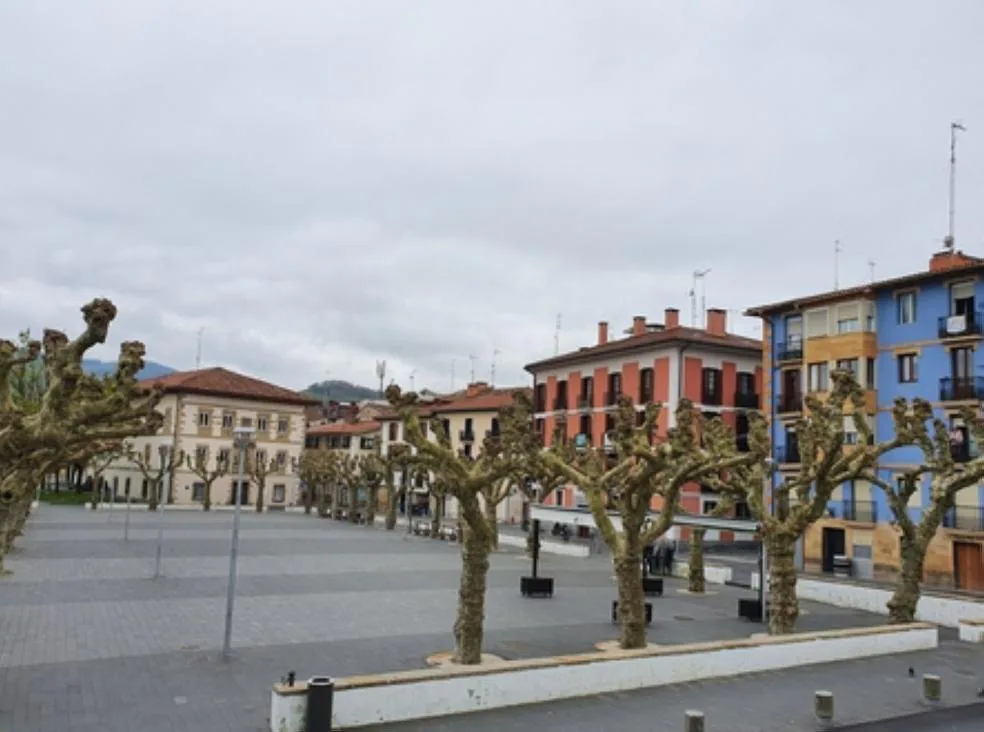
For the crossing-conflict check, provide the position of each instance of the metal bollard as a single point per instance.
(932, 687)
(823, 705)
(693, 721)
(320, 698)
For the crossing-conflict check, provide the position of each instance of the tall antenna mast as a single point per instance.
(871, 269)
(698, 279)
(495, 353)
(471, 378)
(950, 239)
(557, 335)
(198, 351)
(381, 374)
(837, 251)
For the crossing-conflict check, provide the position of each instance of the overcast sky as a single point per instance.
(320, 184)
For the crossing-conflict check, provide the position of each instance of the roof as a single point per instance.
(653, 339)
(344, 428)
(973, 265)
(490, 400)
(221, 382)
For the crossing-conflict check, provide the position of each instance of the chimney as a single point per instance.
(717, 321)
(639, 325)
(602, 332)
(476, 388)
(949, 259)
(671, 318)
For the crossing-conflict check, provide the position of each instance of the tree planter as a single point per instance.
(536, 586)
(649, 613)
(652, 586)
(752, 610)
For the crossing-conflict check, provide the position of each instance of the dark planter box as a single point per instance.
(649, 612)
(536, 586)
(752, 610)
(652, 586)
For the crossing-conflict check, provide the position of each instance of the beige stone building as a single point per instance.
(201, 411)
(350, 438)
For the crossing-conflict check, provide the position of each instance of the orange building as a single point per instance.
(721, 373)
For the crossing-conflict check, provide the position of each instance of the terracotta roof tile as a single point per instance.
(652, 339)
(344, 428)
(221, 382)
(491, 400)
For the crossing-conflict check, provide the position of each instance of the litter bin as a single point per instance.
(842, 566)
(320, 697)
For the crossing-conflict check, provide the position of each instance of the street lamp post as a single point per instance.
(241, 444)
(166, 465)
(126, 522)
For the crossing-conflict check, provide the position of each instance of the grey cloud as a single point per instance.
(320, 185)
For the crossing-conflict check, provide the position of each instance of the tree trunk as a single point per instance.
(696, 561)
(259, 496)
(207, 498)
(153, 497)
(905, 599)
(308, 498)
(372, 499)
(631, 600)
(784, 609)
(435, 531)
(493, 530)
(469, 625)
(391, 500)
(353, 500)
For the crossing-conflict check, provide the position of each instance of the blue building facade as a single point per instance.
(917, 336)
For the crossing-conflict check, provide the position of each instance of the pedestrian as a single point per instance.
(668, 553)
(658, 559)
(647, 559)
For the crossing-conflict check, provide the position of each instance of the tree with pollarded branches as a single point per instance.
(695, 555)
(349, 476)
(259, 467)
(915, 425)
(627, 481)
(109, 453)
(154, 468)
(199, 464)
(827, 460)
(311, 469)
(468, 480)
(373, 469)
(77, 413)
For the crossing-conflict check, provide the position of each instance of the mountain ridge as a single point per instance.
(151, 369)
(338, 390)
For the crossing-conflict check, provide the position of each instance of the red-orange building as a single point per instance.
(721, 373)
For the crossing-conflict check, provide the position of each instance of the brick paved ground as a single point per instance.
(89, 642)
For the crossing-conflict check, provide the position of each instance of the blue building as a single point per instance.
(911, 336)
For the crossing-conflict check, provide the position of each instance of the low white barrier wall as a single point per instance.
(972, 631)
(385, 698)
(946, 611)
(713, 574)
(547, 547)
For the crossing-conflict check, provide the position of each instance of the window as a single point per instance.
(224, 456)
(203, 419)
(816, 323)
(261, 424)
(281, 458)
(849, 325)
(560, 402)
(201, 456)
(126, 486)
(614, 388)
(540, 398)
(346, 442)
(198, 491)
(393, 433)
(907, 368)
(228, 420)
(587, 391)
(962, 299)
(711, 386)
(283, 425)
(848, 364)
(817, 379)
(246, 422)
(468, 450)
(794, 331)
(645, 386)
(538, 425)
(962, 363)
(311, 441)
(906, 306)
(746, 383)
(869, 373)
(279, 492)
(261, 457)
(494, 429)
(742, 511)
(366, 443)
(559, 497)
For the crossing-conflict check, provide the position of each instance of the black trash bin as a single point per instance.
(320, 696)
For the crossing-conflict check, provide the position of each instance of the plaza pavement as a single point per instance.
(89, 642)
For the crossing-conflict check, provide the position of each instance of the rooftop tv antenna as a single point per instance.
(871, 269)
(472, 359)
(381, 375)
(699, 276)
(198, 350)
(557, 335)
(950, 240)
(495, 352)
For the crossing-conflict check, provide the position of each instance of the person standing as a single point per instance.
(647, 560)
(668, 551)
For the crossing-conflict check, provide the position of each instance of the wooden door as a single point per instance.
(968, 566)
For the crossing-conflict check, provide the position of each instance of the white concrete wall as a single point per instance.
(434, 693)
(714, 575)
(972, 632)
(566, 549)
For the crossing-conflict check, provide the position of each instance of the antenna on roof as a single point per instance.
(950, 240)
(381, 374)
(837, 251)
(699, 275)
(871, 269)
(198, 351)
(557, 335)
(495, 352)
(472, 358)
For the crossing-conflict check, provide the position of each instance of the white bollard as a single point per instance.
(932, 687)
(693, 721)
(823, 705)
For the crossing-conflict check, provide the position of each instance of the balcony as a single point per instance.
(791, 350)
(466, 435)
(560, 404)
(585, 403)
(711, 397)
(612, 397)
(960, 451)
(965, 518)
(788, 454)
(746, 400)
(961, 326)
(791, 401)
(865, 512)
(492, 434)
(970, 388)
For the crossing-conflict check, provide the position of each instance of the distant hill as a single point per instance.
(151, 369)
(341, 391)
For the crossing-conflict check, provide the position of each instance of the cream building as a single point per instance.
(201, 411)
(351, 438)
